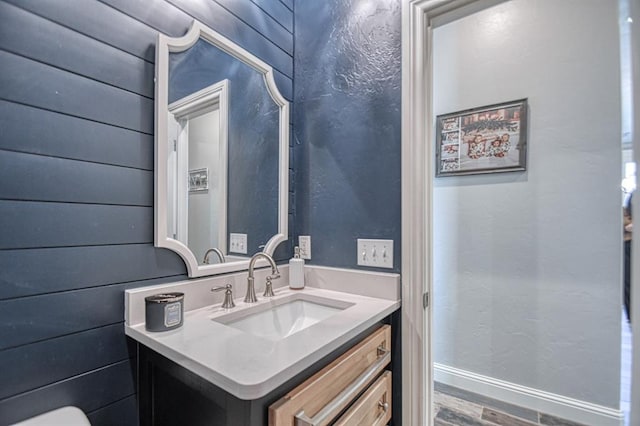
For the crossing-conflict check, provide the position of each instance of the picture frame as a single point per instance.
(199, 180)
(487, 139)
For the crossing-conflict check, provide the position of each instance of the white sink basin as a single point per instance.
(279, 319)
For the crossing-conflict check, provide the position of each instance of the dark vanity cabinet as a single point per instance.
(170, 395)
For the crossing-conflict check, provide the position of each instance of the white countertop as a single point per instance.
(248, 366)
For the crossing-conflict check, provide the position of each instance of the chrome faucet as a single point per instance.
(251, 290)
(228, 295)
(216, 251)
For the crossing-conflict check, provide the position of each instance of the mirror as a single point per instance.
(222, 153)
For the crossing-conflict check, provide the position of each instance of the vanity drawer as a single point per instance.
(373, 408)
(325, 394)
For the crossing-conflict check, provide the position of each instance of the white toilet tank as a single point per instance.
(65, 416)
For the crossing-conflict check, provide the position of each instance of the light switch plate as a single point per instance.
(238, 243)
(304, 243)
(375, 253)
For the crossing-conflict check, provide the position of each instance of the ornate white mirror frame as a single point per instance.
(164, 46)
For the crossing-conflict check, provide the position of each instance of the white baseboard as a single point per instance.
(544, 402)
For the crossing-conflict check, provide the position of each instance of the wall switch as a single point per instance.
(304, 242)
(238, 243)
(375, 253)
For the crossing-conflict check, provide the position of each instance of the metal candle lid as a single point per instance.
(165, 298)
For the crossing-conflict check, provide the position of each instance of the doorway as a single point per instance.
(515, 276)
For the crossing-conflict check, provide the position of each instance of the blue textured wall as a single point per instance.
(347, 126)
(76, 186)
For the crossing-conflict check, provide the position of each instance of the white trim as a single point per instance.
(216, 95)
(416, 355)
(545, 402)
(165, 45)
(417, 183)
(182, 185)
(417, 373)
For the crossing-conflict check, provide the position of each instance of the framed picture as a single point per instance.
(487, 139)
(198, 180)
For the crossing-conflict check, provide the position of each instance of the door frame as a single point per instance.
(634, 9)
(416, 158)
(417, 184)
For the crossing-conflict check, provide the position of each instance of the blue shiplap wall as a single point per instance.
(347, 126)
(76, 186)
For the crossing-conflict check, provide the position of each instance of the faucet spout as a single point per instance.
(215, 250)
(250, 297)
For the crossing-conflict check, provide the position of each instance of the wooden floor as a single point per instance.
(457, 407)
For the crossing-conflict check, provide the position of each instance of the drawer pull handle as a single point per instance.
(383, 405)
(350, 392)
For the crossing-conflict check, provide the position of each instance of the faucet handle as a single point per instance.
(268, 288)
(228, 295)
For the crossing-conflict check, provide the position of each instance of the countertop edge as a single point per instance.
(258, 390)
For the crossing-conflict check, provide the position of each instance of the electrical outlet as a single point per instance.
(375, 253)
(238, 243)
(304, 242)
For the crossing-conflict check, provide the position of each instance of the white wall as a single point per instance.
(204, 149)
(528, 264)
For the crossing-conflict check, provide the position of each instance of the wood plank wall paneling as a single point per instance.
(278, 11)
(37, 224)
(32, 366)
(288, 3)
(76, 186)
(38, 131)
(87, 391)
(214, 15)
(122, 412)
(72, 51)
(27, 320)
(49, 179)
(264, 24)
(98, 21)
(33, 83)
(70, 268)
(171, 19)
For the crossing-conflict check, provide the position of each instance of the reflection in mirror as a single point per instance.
(221, 153)
(197, 169)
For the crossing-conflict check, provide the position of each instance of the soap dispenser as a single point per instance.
(296, 270)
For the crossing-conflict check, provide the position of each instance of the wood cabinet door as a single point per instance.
(321, 388)
(373, 408)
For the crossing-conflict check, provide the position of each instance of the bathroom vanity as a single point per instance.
(228, 366)
(319, 354)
